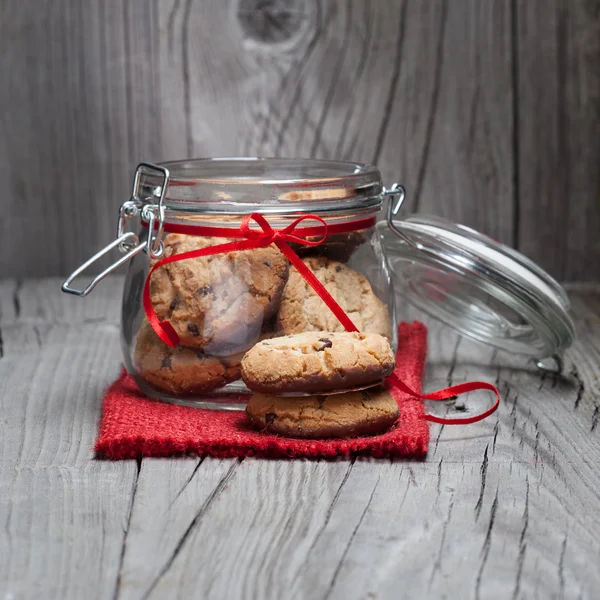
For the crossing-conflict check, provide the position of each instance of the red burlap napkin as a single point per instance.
(133, 426)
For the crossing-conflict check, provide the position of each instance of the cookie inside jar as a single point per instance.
(218, 303)
(231, 277)
(302, 309)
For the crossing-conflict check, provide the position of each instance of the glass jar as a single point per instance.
(227, 252)
(217, 278)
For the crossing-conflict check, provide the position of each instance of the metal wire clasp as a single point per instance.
(396, 196)
(128, 242)
(154, 214)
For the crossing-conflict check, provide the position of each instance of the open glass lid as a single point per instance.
(480, 287)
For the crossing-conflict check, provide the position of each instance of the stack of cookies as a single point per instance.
(320, 384)
(231, 304)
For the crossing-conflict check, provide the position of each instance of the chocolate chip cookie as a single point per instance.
(367, 412)
(302, 310)
(317, 362)
(218, 303)
(181, 371)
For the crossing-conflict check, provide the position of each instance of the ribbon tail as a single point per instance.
(163, 329)
(447, 394)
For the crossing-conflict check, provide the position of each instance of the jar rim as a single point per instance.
(266, 185)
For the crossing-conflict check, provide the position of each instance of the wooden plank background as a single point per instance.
(487, 110)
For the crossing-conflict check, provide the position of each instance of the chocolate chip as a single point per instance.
(365, 395)
(266, 263)
(326, 344)
(270, 418)
(193, 330)
(321, 400)
(166, 363)
(174, 303)
(338, 268)
(205, 290)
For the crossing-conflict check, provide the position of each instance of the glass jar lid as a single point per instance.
(480, 287)
(264, 185)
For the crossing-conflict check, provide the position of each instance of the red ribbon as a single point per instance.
(265, 236)
(451, 392)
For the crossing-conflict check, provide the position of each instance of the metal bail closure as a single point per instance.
(126, 238)
(127, 241)
(396, 196)
(478, 286)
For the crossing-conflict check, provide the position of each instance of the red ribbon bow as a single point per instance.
(265, 236)
(270, 235)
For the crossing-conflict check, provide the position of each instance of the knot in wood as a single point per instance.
(271, 21)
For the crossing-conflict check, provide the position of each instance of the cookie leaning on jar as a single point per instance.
(316, 364)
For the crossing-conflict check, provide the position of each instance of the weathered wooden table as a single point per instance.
(506, 508)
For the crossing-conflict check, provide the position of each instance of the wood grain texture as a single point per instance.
(506, 508)
(486, 111)
(558, 143)
(62, 515)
